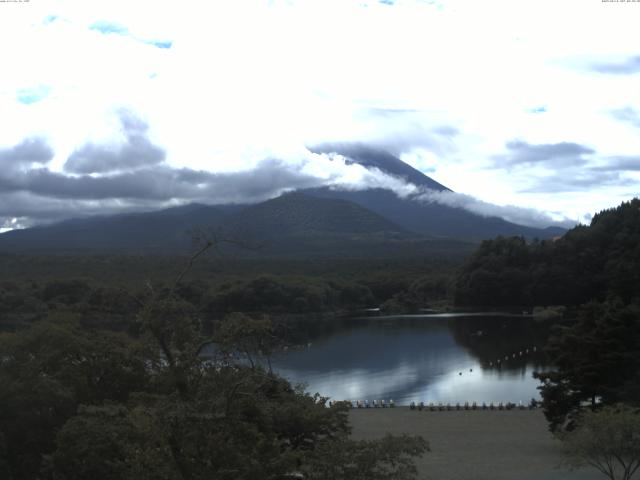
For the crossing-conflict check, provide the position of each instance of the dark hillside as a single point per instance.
(164, 230)
(588, 263)
(299, 214)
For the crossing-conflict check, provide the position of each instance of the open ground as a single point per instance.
(475, 445)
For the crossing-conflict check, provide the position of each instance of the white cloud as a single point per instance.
(245, 81)
(520, 215)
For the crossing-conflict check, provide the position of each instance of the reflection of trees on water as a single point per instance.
(492, 340)
(305, 328)
(488, 338)
(495, 341)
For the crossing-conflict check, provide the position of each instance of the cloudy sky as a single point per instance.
(528, 109)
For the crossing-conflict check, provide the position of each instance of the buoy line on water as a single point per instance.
(381, 403)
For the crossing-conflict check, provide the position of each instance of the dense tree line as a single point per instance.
(595, 351)
(133, 397)
(592, 262)
(107, 298)
(595, 271)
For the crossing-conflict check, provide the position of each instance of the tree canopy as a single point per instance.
(139, 401)
(588, 263)
(608, 440)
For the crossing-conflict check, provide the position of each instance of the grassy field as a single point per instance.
(475, 445)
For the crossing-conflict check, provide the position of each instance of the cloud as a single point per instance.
(245, 81)
(555, 154)
(163, 183)
(31, 95)
(113, 179)
(165, 44)
(136, 151)
(41, 196)
(112, 28)
(628, 66)
(49, 19)
(28, 209)
(108, 28)
(628, 115)
(619, 163)
(118, 180)
(447, 131)
(399, 131)
(577, 181)
(519, 215)
(30, 150)
(535, 110)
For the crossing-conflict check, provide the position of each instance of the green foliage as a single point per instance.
(596, 356)
(386, 459)
(607, 439)
(247, 336)
(271, 294)
(425, 291)
(47, 371)
(108, 382)
(587, 263)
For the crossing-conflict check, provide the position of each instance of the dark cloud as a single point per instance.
(163, 183)
(555, 154)
(626, 67)
(577, 181)
(37, 195)
(628, 115)
(136, 151)
(29, 209)
(620, 163)
(31, 150)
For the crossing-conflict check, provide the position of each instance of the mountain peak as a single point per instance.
(370, 157)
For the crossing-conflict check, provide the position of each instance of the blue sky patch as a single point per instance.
(33, 95)
(160, 43)
(540, 109)
(109, 27)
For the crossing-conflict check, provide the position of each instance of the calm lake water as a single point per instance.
(426, 358)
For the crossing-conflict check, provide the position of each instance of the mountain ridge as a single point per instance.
(343, 220)
(428, 218)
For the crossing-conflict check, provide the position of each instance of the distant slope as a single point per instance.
(305, 215)
(433, 218)
(291, 224)
(318, 220)
(162, 230)
(418, 216)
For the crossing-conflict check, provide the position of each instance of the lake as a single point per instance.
(430, 358)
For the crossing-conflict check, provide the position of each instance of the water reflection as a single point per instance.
(421, 359)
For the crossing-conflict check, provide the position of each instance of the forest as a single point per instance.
(594, 271)
(103, 376)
